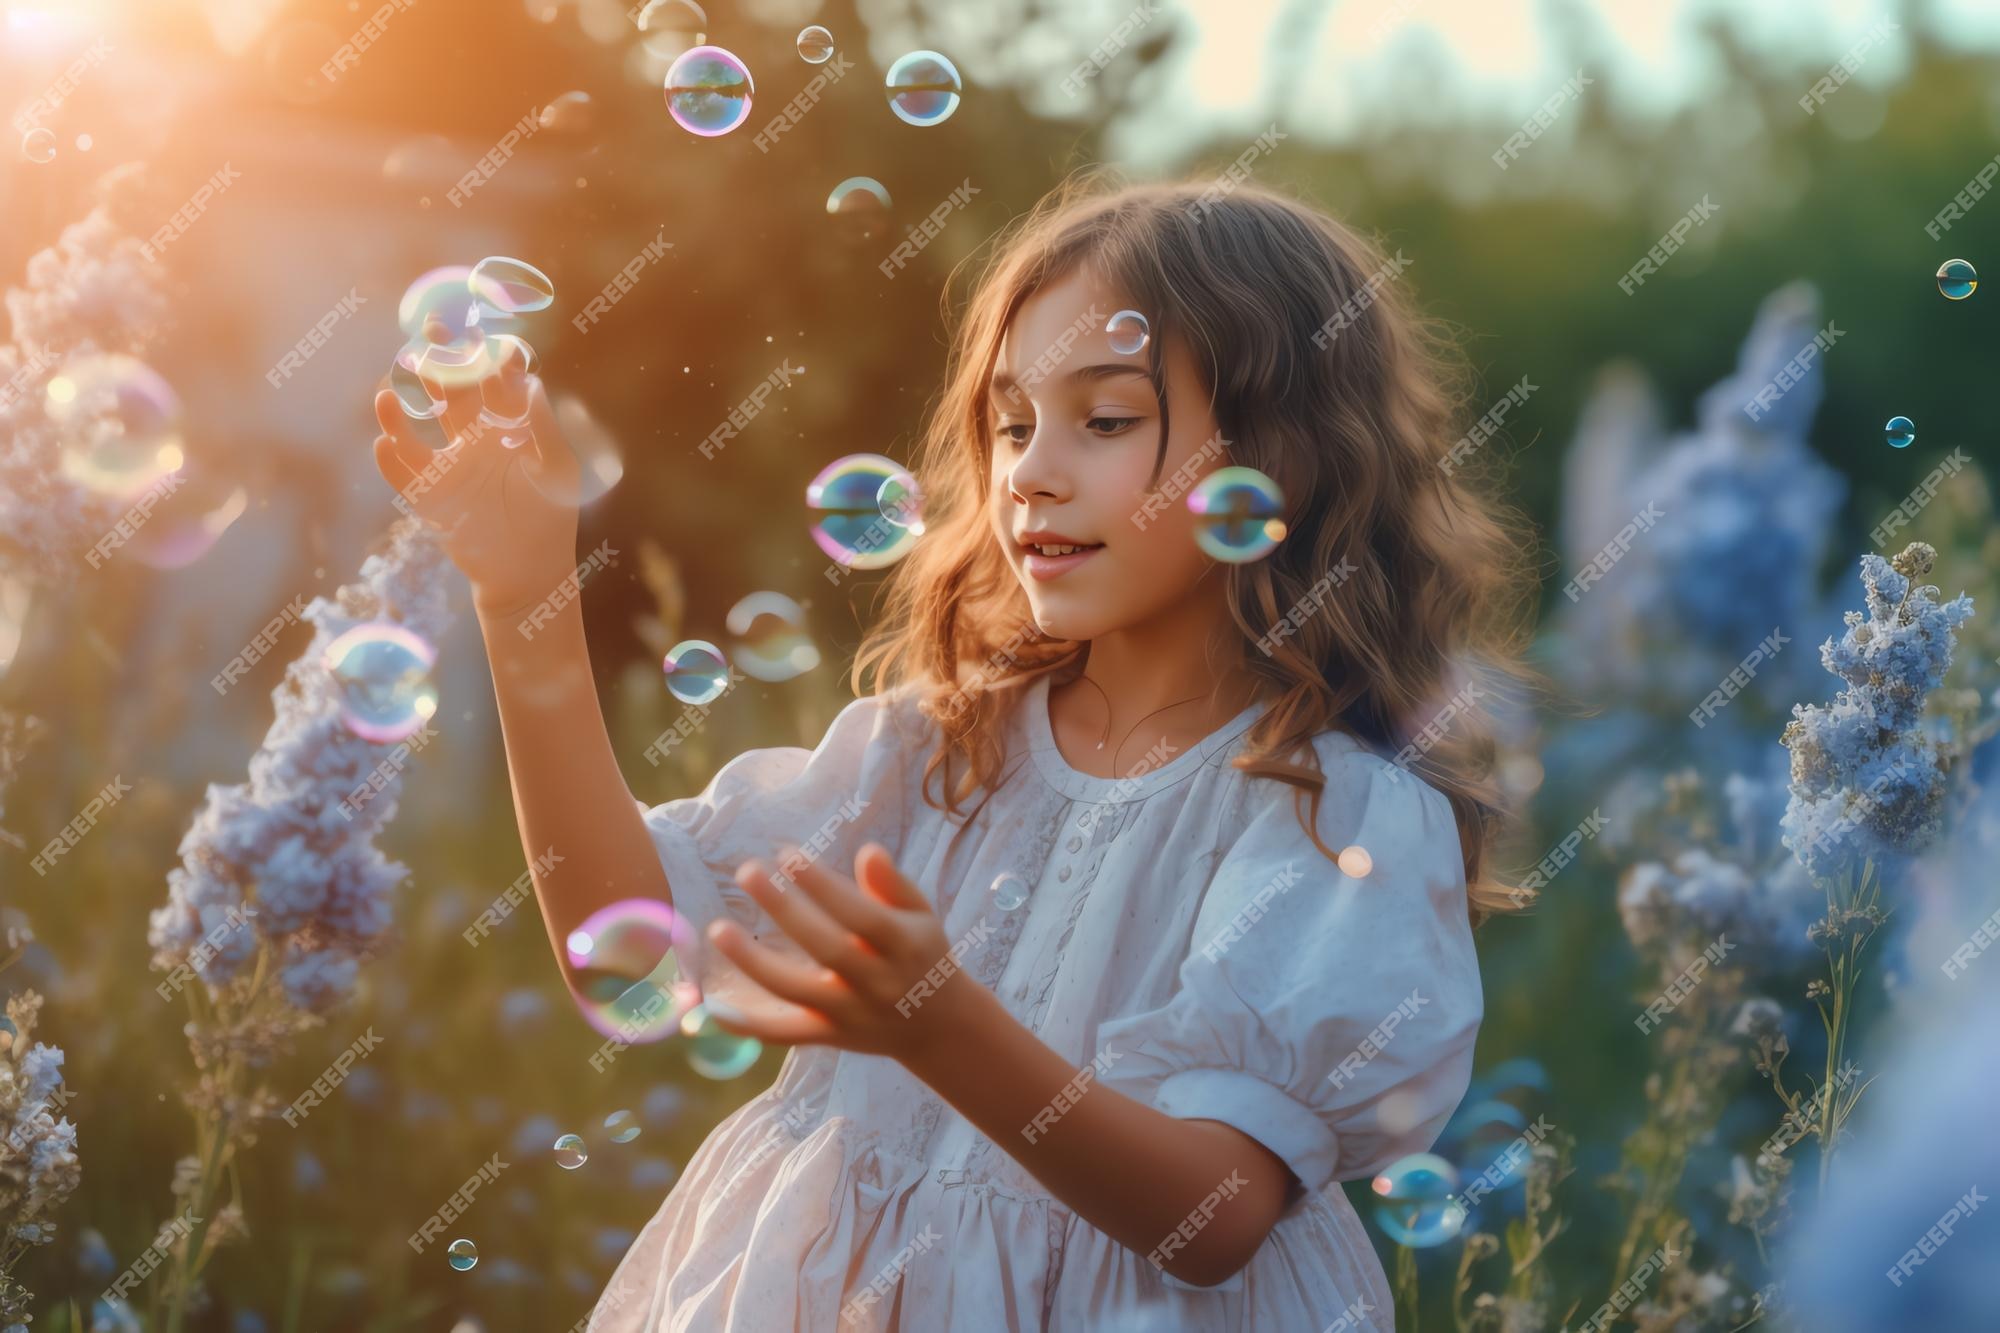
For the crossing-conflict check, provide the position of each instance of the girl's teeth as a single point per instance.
(1057, 550)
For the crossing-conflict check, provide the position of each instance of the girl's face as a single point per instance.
(1075, 430)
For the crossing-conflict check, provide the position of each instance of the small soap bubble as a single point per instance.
(570, 1152)
(621, 1126)
(629, 980)
(697, 672)
(1237, 515)
(39, 145)
(714, 1051)
(772, 642)
(119, 423)
(568, 114)
(923, 88)
(1957, 279)
(1355, 862)
(382, 671)
(859, 207)
(1901, 432)
(1128, 331)
(1418, 1203)
(815, 44)
(670, 27)
(503, 287)
(902, 502)
(848, 521)
(462, 1255)
(1009, 891)
(708, 91)
(412, 394)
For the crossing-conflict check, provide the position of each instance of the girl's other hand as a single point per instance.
(508, 515)
(866, 983)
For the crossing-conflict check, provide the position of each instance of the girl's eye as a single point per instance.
(1117, 425)
(1006, 431)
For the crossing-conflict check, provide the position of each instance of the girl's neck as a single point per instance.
(1136, 694)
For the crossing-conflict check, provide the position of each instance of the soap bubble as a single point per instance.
(568, 114)
(504, 390)
(815, 44)
(119, 422)
(1487, 1136)
(772, 641)
(859, 207)
(414, 396)
(570, 1152)
(923, 88)
(441, 318)
(714, 1051)
(708, 91)
(1957, 279)
(503, 287)
(383, 671)
(1901, 432)
(901, 502)
(1237, 514)
(1128, 332)
(669, 28)
(627, 957)
(621, 1126)
(1355, 862)
(39, 145)
(697, 672)
(1009, 891)
(1419, 1205)
(462, 1255)
(849, 525)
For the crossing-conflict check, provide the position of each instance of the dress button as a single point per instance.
(1062, 876)
(1075, 843)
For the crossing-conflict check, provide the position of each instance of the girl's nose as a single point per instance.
(1036, 474)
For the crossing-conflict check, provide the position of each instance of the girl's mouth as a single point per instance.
(1055, 559)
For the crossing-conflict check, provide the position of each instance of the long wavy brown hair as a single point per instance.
(1354, 427)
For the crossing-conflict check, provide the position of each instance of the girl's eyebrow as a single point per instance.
(1002, 382)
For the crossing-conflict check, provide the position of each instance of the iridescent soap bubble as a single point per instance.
(504, 391)
(462, 1254)
(502, 287)
(848, 523)
(1128, 332)
(1237, 515)
(627, 960)
(714, 1051)
(441, 318)
(859, 207)
(697, 672)
(418, 401)
(621, 1126)
(815, 44)
(1355, 862)
(1957, 279)
(1009, 891)
(771, 639)
(570, 1152)
(39, 145)
(923, 88)
(1901, 432)
(382, 671)
(568, 114)
(1417, 1201)
(902, 502)
(119, 423)
(708, 91)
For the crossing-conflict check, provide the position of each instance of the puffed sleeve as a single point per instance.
(828, 801)
(1328, 1016)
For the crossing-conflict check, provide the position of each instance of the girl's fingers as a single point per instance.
(398, 462)
(556, 468)
(875, 870)
(795, 980)
(804, 920)
(841, 900)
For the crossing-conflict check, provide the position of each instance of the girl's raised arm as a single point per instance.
(507, 513)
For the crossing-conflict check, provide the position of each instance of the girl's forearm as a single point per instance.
(570, 799)
(1197, 1197)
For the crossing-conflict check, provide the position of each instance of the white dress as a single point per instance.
(1164, 928)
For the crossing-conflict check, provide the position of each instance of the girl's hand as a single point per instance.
(508, 515)
(868, 947)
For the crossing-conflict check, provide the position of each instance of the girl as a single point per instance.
(1159, 923)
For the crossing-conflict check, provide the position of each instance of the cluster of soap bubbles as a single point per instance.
(1422, 1200)
(868, 511)
(455, 319)
(709, 88)
(771, 640)
(629, 977)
